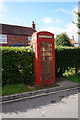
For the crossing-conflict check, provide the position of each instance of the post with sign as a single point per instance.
(43, 45)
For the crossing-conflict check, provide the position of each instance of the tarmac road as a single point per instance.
(59, 105)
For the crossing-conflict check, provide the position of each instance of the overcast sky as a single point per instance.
(55, 17)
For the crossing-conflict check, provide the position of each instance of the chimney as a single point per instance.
(33, 25)
(73, 37)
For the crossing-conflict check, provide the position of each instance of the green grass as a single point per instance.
(70, 75)
(15, 89)
(74, 78)
(21, 88)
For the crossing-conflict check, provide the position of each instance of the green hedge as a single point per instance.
(66, 58)
(17, 63)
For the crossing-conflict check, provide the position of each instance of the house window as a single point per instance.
(3, 39)
(29, 40)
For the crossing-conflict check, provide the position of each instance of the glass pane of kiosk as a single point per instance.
(46, 60)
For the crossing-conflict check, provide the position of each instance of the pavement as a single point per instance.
(63, 104)
(62, 83)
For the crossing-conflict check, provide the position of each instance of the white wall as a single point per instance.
(76, 45)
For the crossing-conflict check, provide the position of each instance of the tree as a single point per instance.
(62, 40)
(78, 20)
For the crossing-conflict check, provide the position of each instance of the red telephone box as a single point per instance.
(43, 45)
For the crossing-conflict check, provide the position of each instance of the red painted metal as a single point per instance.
(44, 58)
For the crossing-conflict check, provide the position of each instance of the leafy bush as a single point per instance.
(66, 58)
(16, 65)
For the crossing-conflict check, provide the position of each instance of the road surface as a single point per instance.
(61, 105)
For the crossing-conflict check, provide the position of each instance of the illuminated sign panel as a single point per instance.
(44, 36)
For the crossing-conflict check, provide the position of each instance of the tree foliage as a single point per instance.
(62, 40)
(78, 20)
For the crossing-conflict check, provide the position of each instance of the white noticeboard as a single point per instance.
(3, 39)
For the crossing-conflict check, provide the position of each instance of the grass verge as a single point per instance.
(21, 88)
(74, 78)
(70, 75)
(16, 88)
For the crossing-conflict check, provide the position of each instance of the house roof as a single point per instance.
(73, 41)
(16, 30)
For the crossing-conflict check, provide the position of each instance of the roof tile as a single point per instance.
(13, 29)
